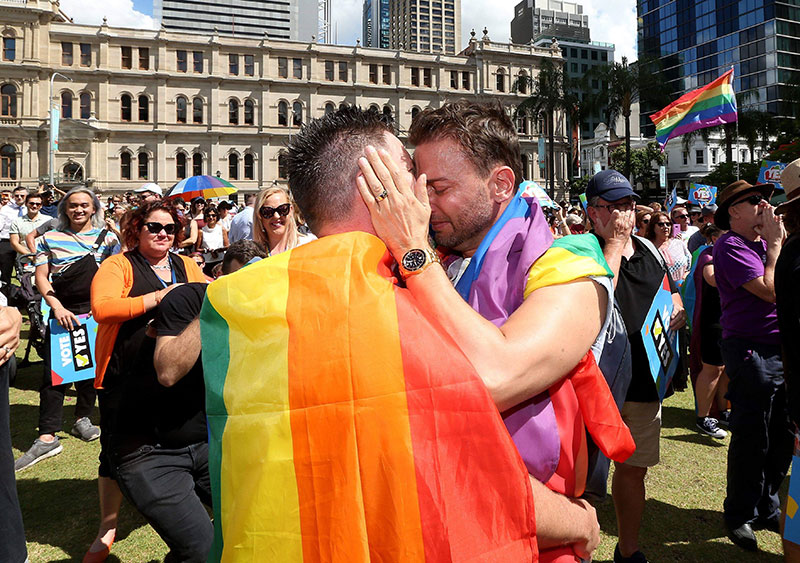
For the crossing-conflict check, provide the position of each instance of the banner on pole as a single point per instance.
(541, 153)
(662, 176)
(55, 116)
(672, 199)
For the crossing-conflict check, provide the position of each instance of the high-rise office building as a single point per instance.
(296, 20)
(427, 26)
(697, 41)
(532, 17)
(376, 29)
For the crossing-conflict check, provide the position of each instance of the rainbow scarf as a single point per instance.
(346, 426)
(518, 256)
(711, 105)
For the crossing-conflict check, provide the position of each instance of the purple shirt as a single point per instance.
(738, 261)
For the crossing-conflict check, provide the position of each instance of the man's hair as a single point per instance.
(242, 251)
(20, 189)
(249, 199)
(33, 196)
(322, 161)
(484, 131)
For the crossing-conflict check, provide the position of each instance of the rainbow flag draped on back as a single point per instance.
(346, 426)
(713, 104)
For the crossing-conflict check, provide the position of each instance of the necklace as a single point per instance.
(164, 267)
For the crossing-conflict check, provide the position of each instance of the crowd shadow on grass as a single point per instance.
(24, 419)
(62, 513)
(674, 534)
(697, 438)
(677, 417)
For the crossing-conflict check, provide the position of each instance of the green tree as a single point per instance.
(643, 163)
(725, 173)
(621, 83)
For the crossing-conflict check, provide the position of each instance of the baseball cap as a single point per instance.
(709, 209)
(150, 187)
(609, 185)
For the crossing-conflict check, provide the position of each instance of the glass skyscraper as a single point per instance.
(697, 41)
(376, 24)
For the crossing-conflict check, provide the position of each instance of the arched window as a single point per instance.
(73, 172)
(143, 165)
(501, 80)
(197, 164)
(8, 105)
(283, 172)
(522, 82)
(125, 166)
(197, 110)
(414, 112)
(233, 167)
(283, 113)
(329, 108)
(233, 112)
(248, 167)
(374, 107)
(387, 112)
(8, 162)
(180, 166)
(297, 114)
(86, 105)
(66, 105)
(125, 104)
(180, 109)
(343, 105)
(144, 108)
(249, 112)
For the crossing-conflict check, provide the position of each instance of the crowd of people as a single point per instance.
(406, 374)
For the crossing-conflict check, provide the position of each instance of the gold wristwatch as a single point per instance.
(416, 260)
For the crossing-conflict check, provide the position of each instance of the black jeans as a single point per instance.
(51, 397)
(7, 257)
(12, 534)
(762, 438)
(169, 487)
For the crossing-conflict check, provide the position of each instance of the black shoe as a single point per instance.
(769, 524)
(637, 557)
(744, 537)
(724, 418)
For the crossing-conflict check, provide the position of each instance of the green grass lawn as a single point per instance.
(682, 521)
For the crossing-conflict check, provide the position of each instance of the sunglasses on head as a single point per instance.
(267, 212)
(754, 199)
(155, 228)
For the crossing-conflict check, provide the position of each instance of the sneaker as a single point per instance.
(636, 557)
(85, 430)
(724, 418)
(37, 452)
(708, 425)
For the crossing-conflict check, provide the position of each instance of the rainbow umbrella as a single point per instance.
(201, 186)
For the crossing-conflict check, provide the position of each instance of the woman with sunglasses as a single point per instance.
(276, 229)
(642, 220)
(674, 250)
(212, 239)
(125, 295)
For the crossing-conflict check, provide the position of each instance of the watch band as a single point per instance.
(430, 256)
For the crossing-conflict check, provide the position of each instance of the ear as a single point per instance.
(592, 214)
(502, 184)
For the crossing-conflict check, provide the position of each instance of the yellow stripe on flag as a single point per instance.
(559, 265)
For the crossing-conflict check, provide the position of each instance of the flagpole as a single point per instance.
(738, 155)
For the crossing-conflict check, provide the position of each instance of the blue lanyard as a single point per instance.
(172, 272)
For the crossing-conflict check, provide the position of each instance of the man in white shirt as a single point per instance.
(8, 214)
(680, 216)
(27, 223)
(242, 223)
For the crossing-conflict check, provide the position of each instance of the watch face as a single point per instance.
(414, 260)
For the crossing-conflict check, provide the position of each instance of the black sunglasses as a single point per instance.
(646, 221)
(155, 228)
(754, 199)
(267, 212)
(663, 224)
(211, 215)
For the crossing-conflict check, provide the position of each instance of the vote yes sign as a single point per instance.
(72, 351)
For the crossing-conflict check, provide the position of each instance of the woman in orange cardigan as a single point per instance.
(126, 292)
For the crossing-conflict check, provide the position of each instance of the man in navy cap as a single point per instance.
(639, 271)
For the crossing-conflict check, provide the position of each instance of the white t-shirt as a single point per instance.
(212, 240)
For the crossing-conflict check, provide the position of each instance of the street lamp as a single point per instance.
(51, 151)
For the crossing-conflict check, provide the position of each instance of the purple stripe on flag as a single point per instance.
(729, 117)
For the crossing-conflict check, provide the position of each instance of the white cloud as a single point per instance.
(120, 13)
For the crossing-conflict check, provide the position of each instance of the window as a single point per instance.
(197, 164)
(66, 54)
(182, 62)
(249, 65)
(594, 55)
(180, 109)
(373, 74)
(249, 112)
(125, 166)
(713, 156)
(144, 108)
(414, 112)
(522, 83)
(465, 80)
(127, 57)
(387, 112)
(283, 67)
(329, 70)
(297, 114)
(180, 166)
(143, 161)
(329, 108)
(8, 100)
(9, 51)
(144, 58)
(248, 167)
(233, 65)
(125, 104)
(454, 79)
(197, 110)
(685, 158)
(343, 105)
(86, 54)
(700, 156)
(233, 167)
(197, 61)
(500, 80)
(8, 162)
(283, 113)
(342, 71)
(66, 105)
(86, 105)
(427, 77)
(414, 76)
(283, 169)
(524, 158)
(584, 54)
(387, 74)
(297, 68)
(233, 112)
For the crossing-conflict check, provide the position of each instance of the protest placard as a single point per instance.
(702, 194)
(770, 173)
(791, 530)
(660, 343)
(72, 351)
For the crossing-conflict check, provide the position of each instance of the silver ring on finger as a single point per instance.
(7, 351)
(381, 196)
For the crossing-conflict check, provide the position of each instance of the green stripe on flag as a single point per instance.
(584, 245)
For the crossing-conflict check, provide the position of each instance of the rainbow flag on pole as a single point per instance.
(713, 104)
(346, 426)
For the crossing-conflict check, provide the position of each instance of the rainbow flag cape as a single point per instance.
(346, 426)
(713, 104)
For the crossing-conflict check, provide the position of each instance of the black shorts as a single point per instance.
(710, 337)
